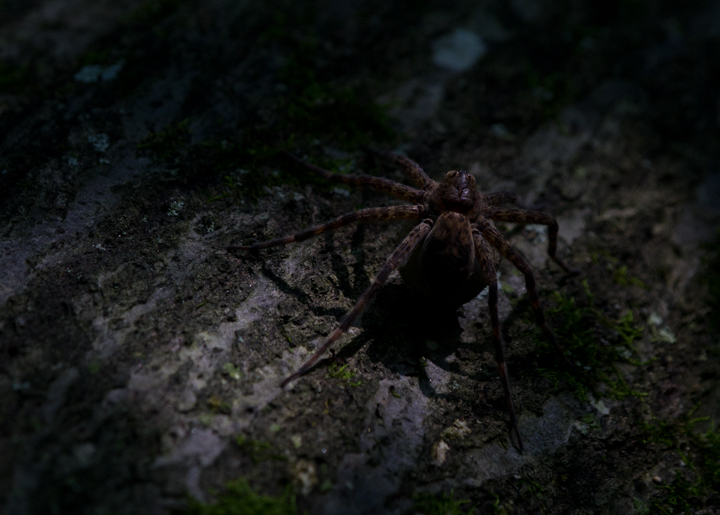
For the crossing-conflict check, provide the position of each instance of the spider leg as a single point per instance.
(410, 167)
(483, 252)
(396, 259)
(379, 183)
(503, 197)
(498, 241)
(522, 216)
(364, 215)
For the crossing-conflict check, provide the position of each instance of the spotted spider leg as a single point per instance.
(396, 259)
(410, 167)
(503, 197)
(371, 214)
(483, 253)
(378, 183)
(522, 216)
(497, 240)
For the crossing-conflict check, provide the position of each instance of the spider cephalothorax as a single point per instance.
(449, 257)
(458, 193)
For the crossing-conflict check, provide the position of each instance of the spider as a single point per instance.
(449, 257)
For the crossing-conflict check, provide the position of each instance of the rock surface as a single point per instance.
(141, 363)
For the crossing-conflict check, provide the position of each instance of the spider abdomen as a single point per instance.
(443, 268)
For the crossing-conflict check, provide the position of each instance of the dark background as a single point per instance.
(140, 362)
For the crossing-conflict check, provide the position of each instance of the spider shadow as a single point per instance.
(341, 268)
(403, 331)
(300, 295)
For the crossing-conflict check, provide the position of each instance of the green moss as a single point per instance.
(443, 505)
(342, 373)
(532, 488)
(308, 113)
(250, 168)
(623, 279)
(711, 277)
(304, 112)
(660, 432)
(231, 371)
(678, 497)
(240, 499)
(699, 479)
(322, 110)
(709, 442)
(317, 110)
(166, 143)
(498, 507)
(217, 405)
(641, 508)
(594, 344)
(257, 450)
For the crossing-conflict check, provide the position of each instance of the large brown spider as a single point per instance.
(449, 257)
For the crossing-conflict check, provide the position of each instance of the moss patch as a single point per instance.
(304, 112)
(594, 344)
(444, 504)
(696, 483)
(166, 144)
(257, 450)
(240, 499)
(342, 373)
(712, 279)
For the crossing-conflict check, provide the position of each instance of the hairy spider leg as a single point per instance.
(379, 183)
(371, 214)
(503, 197)
(396, 259)
(497, 240)
(522, 216)
(410, 167)
(483, 252)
